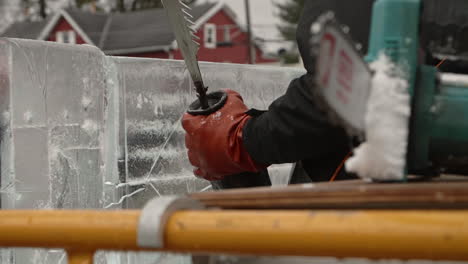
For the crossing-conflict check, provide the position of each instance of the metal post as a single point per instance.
(42, 8)
(250, 48)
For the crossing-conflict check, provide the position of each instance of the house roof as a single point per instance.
(91, 24)
(26, 29)
(115, 33)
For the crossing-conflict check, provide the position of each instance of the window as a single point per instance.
(68, 36)
(227, 34)
(226, 39)
(210, 36)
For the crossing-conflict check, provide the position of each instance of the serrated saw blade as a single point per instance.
(181, 21)
(343, 77)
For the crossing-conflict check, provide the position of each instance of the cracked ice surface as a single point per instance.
(156, 94)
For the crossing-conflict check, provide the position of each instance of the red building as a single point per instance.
(145, 33)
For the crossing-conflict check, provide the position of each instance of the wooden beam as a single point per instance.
(344, 195)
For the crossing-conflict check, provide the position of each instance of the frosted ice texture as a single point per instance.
(54, 147)
(157, 93)
(82, 130)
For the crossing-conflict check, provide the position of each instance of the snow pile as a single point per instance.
(383, 155)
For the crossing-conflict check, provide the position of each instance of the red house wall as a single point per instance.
(236, 53)
(63, 25)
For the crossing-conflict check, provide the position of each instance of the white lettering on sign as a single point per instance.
(343, 77)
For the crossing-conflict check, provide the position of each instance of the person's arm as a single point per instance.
(293, 129)
(230, 141)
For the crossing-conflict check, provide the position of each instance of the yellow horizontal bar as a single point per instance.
(436, 235)
(80, 257)
(69, 229)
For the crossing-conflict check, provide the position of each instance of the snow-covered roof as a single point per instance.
(27, 30)
(114, 33)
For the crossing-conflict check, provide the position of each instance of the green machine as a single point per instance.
(438, 138)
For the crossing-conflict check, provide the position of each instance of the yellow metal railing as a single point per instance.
(434, 234)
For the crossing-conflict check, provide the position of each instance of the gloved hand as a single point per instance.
(214, 141)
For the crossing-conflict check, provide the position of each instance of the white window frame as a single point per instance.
(227, 34)
(59, 36)
(210, 43)
(67, 36)
(71, 37)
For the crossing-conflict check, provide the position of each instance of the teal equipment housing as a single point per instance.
(438, 138)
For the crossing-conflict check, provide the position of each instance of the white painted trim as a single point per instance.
(231, 14)
(59, 36)
(53, 22)
(242, 28)
(137, 50)
(69, 34)
(210, 44)
(213, 11)
(173, 45)
(203, 19)
(227, 34)
(76, 27)
(48, 28)
(71, 37)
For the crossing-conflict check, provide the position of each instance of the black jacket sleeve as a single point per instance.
(293, 129)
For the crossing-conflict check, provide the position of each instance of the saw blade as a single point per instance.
(181, 21)
(343, 77)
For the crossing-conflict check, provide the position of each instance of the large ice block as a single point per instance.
(55, 109)
(53, 123)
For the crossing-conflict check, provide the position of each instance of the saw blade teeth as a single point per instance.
(188, 20)
(184, 5)
(187, 13)
(193, 29)
(194, 36)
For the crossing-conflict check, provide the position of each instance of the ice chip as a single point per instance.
(89, 126)
(85, 102)
(27, 116)
(315, 28)
(383, 155)
(217, 115)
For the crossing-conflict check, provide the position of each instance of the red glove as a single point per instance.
(214, 141)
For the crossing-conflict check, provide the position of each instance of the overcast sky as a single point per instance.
(263, 19)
